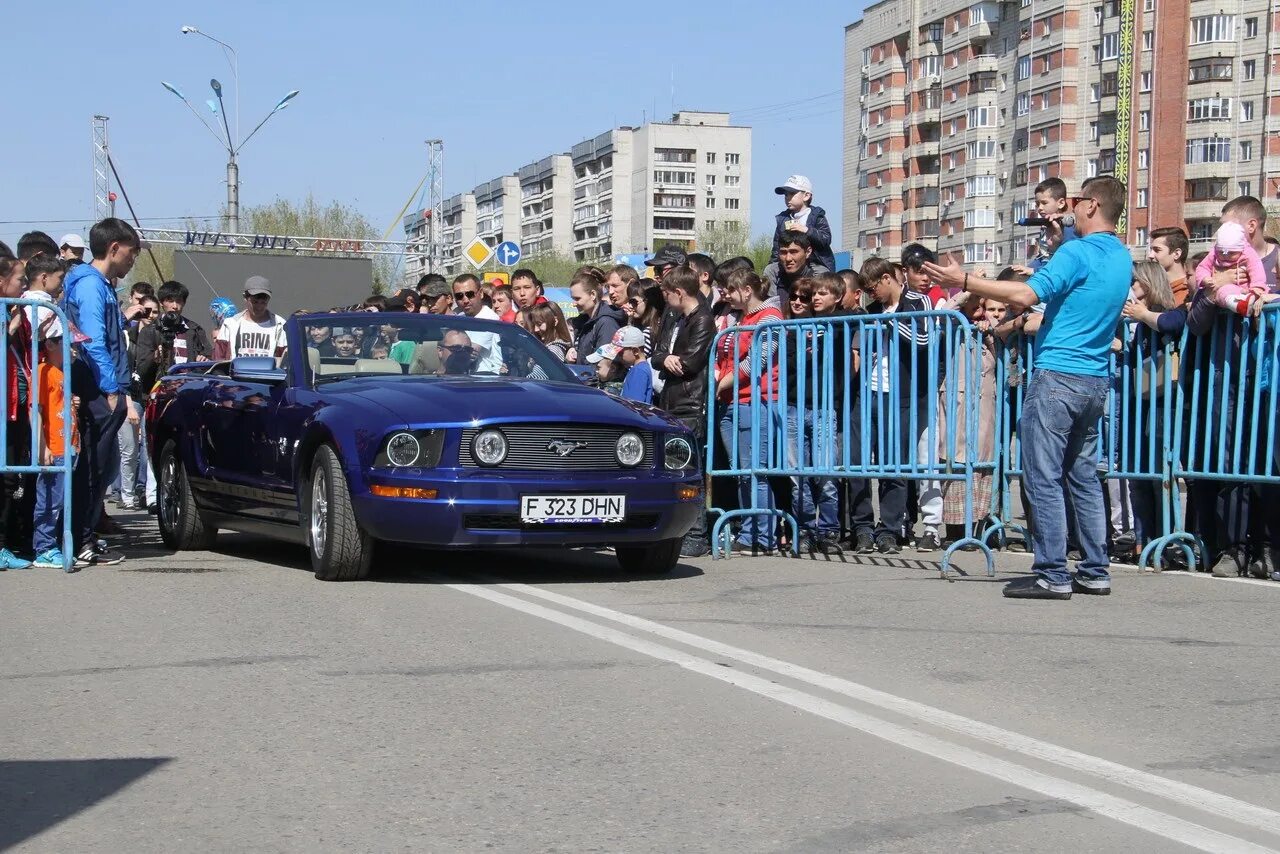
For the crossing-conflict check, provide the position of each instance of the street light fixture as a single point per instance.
(229, 142)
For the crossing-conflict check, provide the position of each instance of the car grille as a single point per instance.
(511, 522)
(527, 447)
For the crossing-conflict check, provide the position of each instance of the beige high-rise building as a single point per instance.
(955, 111)
(627, 190)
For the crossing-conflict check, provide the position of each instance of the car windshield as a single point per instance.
(342, 346)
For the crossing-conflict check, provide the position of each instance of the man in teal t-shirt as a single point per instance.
(1084, 287)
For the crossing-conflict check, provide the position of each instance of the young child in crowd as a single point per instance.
(623, 369)
(1231, 251)
(44, 282)
(1051, 204)
(47, 533)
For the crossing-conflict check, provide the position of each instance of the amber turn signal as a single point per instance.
(401, 492)
(688, 493)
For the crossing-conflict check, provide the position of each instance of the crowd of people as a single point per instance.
(650, 339)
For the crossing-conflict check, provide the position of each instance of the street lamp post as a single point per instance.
(232, 143)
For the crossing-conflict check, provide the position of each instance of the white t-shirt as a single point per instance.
(490, 361)
(880, 376)
(246, 337)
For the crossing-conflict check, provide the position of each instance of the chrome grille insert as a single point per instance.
(560, 447)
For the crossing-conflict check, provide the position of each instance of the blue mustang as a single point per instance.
(433, 430)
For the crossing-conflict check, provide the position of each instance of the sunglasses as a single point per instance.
(455, 349)
(634, 303)
(464, 294)
(801, 298)
(1075, 200)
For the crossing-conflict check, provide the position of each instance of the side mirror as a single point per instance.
(256, 369)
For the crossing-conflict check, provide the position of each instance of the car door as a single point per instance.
(243, 446)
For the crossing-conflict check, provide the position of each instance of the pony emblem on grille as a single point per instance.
(563, 447)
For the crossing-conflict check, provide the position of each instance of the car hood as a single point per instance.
(428, 402)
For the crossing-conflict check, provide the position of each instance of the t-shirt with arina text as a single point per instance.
(255, 339)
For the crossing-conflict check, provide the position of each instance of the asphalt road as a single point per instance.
(227, 701)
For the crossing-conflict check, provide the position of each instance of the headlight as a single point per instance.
(403, 449)
(489, 447)
(677, 453)
(630, 449)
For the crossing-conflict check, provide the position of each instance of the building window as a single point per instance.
(1249, 69)
(981, 218)
(980, 148)
(1246, 111)
(673, 155)
(1140, 236)
(1213, 28)
(1095, 91)
(931, 66)
(670, 176)
(1109, 84)
(711, 179)
(731, 204)
(1149, 40)
(1091, 169)
(980, 185)
(732, 180)
(1149, 5)
(951, 161)
(711, 157)
(866, 58)
(1250, 30)
(731, 159)
(951, 128)
(1213, 149)
(982, 117)
(1246, 151)
(1245, 188)
(1024, 67)
(710, 203)
(1024, 104)
(1110, 45)
(1144, 120)
(1097, 16)
(1142, 198)
(1144, 81)
(1143, 156)
(1208, 109)
(1093, 131)
(1202, 70)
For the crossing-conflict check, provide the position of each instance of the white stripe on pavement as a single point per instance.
(1144, 781)
(1144, 818)
(1206, 576)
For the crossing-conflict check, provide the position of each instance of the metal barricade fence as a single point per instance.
(1224, 439)
(16, 356)
(850, 398)
(859, 398)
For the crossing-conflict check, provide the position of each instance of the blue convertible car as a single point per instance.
(433, 430)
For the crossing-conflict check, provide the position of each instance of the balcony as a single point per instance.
(1206, 190)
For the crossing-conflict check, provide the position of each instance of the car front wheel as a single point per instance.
(657, 559)
(340, 551)
(182, 526)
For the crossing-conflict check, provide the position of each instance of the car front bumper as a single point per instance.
(482, 508)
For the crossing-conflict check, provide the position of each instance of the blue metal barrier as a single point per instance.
(855, 398)
(28, 363)
(847, 398)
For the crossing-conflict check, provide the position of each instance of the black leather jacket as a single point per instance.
(685, 396)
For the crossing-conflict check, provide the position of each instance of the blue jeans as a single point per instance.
(815, 501)
(1059, 432)
(756, 531)
(47, 529)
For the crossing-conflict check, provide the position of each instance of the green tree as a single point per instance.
(311, 218)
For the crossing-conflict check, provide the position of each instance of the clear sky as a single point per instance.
(502, 83)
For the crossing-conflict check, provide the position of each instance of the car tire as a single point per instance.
(182, 525)
(657, 559)
(340, 551)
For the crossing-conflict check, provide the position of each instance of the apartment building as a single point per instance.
(955, 111)
(627, 190)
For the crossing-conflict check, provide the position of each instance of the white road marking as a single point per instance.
(1204, 576)
(1105, 804)
(1144, 781)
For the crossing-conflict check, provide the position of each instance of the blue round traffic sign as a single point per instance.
(507, 253)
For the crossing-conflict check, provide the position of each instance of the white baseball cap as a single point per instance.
(793, 184)
(75, 241)
(627, 336)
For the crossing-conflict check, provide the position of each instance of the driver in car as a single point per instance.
(457, 356)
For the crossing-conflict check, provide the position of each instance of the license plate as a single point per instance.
(562, 509)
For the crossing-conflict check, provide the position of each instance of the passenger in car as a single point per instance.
(319, 340)
(344, 343)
